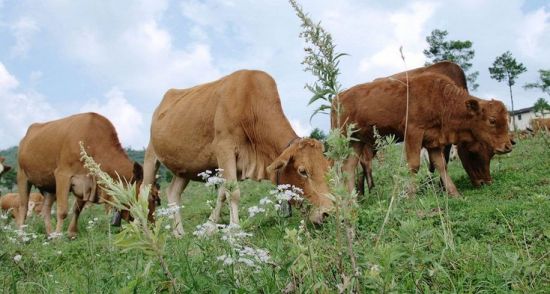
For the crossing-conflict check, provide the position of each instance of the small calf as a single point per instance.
(10, 202)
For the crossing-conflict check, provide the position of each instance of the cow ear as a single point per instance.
(472, 106)
(138, 172)
(279, 163)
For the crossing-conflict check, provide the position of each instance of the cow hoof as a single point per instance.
(455, 194)
(178, 233)
(55, 235)
(71, 235)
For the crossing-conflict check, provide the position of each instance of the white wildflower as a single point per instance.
(204, 230)
(246, 261)
(169, 211)
(227, 260)
(265, 201)
(17, 258)
(212, 179)
(252, 211)
(55, 235)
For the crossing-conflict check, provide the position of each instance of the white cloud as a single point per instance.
(303, 130)
(407, 28)
(128, 46)
(23, 30)
(19, 108)
(534, 28)
(127, 120)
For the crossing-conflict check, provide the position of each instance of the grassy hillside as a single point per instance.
(493, 239)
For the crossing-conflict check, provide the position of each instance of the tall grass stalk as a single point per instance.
(139, 234)
(322, 61)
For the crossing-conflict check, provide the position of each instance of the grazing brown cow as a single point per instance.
(540, 124)
(475, 156)
(49, 159)
(237, 124)
(10, 201)
(440, 113)
(3, 168)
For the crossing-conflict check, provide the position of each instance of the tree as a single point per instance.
(542, 107)
(459, 52)
(318, 134)
(543, 84)
(506, 68)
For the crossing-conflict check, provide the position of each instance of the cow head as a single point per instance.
(490, 124)
(153, 199)
(3, 168)
(303, 165)
(35, 204)
(476, 160)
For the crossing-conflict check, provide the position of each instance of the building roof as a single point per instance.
(520, 111)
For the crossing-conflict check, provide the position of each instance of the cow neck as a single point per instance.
(118, 163)
(455, 124)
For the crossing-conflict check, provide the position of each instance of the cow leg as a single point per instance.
(24, 187)
(62, 187)
(413, 146)
(228, 162)
(150, 166)
(215, 216)
(175, 189)
(49, 198)
(77, 208)
(438, 159)
(350, 166)
(360, 185)
(366, 165)
(368, 156)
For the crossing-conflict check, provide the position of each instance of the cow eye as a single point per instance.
(302, 171)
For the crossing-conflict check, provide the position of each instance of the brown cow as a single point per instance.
(540, 124)
(49, 159)
(3, 168)
(237, 124)
(440, 113)
(10, 202)
(475, 156)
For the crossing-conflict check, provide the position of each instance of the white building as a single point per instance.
(523, 118)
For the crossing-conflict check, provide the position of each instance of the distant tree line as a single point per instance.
(8, 182)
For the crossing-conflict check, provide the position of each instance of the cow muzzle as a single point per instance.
(318, 216)
(506, 149)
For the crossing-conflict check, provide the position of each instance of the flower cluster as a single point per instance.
(247, 256)
(169, 211)
(19, 236)
(235, 237)
(282, 194)
(92, 223)
(212, 179)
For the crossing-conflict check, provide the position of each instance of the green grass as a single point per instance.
(493, 239)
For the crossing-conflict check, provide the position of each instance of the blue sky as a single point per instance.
(118, 58)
